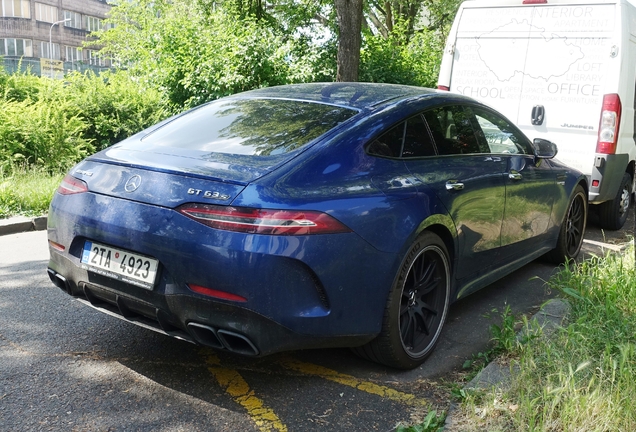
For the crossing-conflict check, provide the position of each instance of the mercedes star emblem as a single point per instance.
(133, 183)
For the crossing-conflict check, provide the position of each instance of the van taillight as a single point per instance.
(608, 127)
(535, 2)
(442, 87)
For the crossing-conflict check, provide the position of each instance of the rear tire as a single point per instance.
(416, 308)
(572, 229)
(613, 214)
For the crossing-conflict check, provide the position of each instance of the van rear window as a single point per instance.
(262, 127)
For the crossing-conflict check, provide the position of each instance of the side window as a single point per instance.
(388, 144)
(499, 134)
(417, 140)
(452, 130)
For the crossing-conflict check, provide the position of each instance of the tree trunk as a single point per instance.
(349, 14)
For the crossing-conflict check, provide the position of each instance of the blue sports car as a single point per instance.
(314, 215)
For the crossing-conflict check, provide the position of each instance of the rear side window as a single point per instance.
(409, 139)
(452, 130)
(262, 127)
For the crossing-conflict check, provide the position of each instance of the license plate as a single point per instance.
(120, 264)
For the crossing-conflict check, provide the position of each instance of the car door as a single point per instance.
(466, 179)
(530, 183)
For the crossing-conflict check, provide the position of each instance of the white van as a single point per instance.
(560, 70)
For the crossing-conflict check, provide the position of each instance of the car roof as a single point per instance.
(354, 95)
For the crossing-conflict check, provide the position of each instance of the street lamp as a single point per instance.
(51, 43)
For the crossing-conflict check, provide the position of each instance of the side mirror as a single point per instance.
(544, 149)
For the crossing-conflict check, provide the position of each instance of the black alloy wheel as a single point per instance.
(575, 225)
(572, 229)
(416, 307)
(423, 301)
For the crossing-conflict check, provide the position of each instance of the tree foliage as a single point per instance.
(199, 50)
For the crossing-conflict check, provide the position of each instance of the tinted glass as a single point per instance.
(250, 127)
(452, 130)
(500, 136)
(388, 144)
(417, 140)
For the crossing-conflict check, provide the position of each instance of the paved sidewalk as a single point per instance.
(20, 224)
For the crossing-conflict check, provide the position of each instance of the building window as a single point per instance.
(15, 8)
(93, 58)
(44, 51)
(73, 54)
(75, 19)
(93, 24)
(46, 13)
(16, 47)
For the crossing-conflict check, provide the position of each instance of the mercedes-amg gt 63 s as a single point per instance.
(309, 216)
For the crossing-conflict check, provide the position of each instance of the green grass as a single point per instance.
(27, 192)
(582, 378)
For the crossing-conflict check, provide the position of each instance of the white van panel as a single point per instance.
(557, 56)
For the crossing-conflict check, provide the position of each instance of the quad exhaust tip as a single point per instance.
(222, 339)
(59, 281)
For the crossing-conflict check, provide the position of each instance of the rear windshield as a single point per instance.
(263, 127)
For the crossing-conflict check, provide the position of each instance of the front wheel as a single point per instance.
(572, 229)
(416, 308)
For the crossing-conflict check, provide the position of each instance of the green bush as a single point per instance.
(19, 86)
(113, 105)
(42, 133)
(54, 124)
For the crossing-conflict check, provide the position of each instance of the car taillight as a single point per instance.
(71, 185)
(608, 127)
(263, 221)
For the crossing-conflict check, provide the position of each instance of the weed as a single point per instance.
(432, 423)
(580, 378)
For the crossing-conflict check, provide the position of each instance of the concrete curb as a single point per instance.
(21, 224)
(548, 320)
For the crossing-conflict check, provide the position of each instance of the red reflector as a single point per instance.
(263, 221)
(216, 293)
(71, 185)
(595, 183)
(57, 246)
(442, 87)
(535, 1)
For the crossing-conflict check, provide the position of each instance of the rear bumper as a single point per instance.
(608, 170)
(301, 291)
(223, 327)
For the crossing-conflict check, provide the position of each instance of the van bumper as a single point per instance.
(608, 170)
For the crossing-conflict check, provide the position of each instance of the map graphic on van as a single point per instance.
(526, 56)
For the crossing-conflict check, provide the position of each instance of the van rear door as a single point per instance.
(545, 66)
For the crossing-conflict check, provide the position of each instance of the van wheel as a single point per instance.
(613, 214)
(416, 308)
(572, 229)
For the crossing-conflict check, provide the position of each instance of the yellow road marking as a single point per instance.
(234, 384)
(348, 380)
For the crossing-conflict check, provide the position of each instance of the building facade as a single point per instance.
(47, 35)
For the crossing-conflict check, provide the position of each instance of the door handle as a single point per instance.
(537, 115)
(514, 175)
(454, 185)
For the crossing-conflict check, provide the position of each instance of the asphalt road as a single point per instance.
(64, 366)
